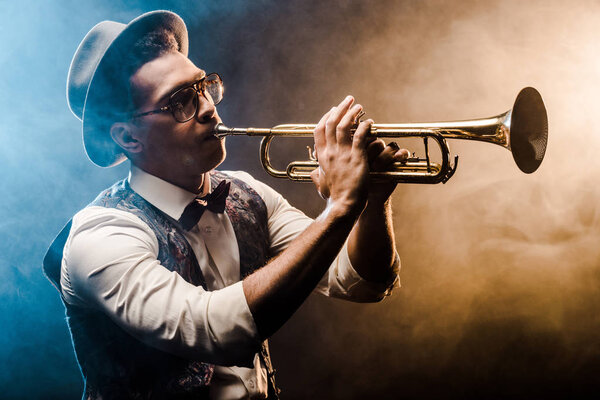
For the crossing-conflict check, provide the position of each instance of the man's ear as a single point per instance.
(124, 135)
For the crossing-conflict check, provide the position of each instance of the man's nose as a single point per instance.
(206, 109)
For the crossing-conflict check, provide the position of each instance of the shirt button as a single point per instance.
(251, 383)
(208, 229)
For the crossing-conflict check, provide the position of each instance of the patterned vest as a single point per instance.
(114, 364)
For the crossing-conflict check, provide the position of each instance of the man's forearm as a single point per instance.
(275, 291)
(371, 245)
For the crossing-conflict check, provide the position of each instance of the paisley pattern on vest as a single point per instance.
(116, 365)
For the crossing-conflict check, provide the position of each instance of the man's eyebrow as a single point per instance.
(187, 82)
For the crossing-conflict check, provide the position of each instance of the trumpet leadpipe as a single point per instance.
(281, 130)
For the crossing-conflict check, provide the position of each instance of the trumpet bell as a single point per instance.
(528, 130)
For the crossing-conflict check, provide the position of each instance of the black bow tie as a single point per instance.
(214, 202)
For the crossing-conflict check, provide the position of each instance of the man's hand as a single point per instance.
(342, 176)
(335, 126)
(381, 158)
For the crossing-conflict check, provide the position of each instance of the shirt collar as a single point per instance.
(165, 196)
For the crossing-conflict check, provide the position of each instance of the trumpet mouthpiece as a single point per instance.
(221, 130)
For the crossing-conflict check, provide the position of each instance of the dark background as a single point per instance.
(501, 270)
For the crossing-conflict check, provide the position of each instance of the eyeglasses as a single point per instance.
(184, 102)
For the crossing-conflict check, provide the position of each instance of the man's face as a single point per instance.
(177, 152)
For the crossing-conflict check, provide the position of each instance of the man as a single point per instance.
(174, 278)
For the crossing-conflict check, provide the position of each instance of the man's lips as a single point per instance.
(210, 131)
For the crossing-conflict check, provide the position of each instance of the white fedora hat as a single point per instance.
(89, 85)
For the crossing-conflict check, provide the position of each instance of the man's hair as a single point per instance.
(147, 48)
(118, 96)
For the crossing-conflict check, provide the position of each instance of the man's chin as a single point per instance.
(210, 162)
(220, 160)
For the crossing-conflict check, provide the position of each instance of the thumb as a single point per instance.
(315, 175)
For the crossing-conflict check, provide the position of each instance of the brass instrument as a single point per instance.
(523, 130)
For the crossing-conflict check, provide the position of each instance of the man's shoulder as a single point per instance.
(99, 208)
(112, 195)
(94, 214)
(91, 224)
(117, 205)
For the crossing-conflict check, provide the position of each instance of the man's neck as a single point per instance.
(197, 184)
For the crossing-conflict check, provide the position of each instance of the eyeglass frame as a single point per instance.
(169, 107)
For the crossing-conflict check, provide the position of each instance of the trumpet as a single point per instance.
(523, 130)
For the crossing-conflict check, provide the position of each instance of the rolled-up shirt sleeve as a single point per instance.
(110, 264)
(341, 280)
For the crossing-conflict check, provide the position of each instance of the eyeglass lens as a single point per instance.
(184, 103)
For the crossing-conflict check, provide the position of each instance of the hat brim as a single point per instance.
(98, 144)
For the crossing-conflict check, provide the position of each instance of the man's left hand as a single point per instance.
(382, 158)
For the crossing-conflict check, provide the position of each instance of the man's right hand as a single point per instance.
(343, 173)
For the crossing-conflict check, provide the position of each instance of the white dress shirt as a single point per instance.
(110, 263)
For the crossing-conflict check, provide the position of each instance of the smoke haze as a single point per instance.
(501, 270)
